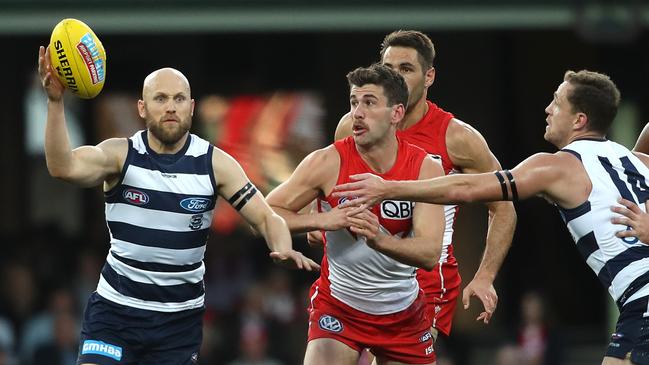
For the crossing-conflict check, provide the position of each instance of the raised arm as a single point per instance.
(315, 176)
(87, 165)
(469, 150)
(423, 249)
(234, 186)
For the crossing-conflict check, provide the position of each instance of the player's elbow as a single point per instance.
(430, 260)
(59, 172)
(462, 195)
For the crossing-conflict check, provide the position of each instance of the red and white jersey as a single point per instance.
(354, 273)
(430, 134)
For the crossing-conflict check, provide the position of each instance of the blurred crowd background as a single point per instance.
(269, 82)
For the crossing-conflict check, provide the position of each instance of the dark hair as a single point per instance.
(412, 39)
(394, 85)
(595, 95)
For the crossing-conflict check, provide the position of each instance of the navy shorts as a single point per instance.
(115, 334)
(631, 337)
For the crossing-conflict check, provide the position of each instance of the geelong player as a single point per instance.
(584, 179)
(367, 295)
(160, 187)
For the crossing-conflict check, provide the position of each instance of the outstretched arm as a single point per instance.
(469, 150)
(234, 186)
(86, 165)
(424, 247)
(311, 179)
(541, 174)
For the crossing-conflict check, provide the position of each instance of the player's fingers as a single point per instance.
(362, 176)
(466, 297)
(623, 211)
(625, 234)
(352, 202)
(357, 209)
(347, 188)
(311, 265)
(623, 221)
(359, 231)
(630, 205)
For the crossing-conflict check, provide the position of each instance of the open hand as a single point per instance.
(485, 291)
(51, 84)
(294, 260)
(634, 218)
(366, 190)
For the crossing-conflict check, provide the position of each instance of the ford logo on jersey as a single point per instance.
(135, 197)
(195, 204)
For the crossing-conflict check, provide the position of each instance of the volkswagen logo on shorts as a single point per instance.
(329, 323)
(195, 204)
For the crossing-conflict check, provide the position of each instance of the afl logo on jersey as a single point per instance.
(396, 209)
(329, 323)
(135, 197)
(195, 204)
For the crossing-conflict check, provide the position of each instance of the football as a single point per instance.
(78, 58)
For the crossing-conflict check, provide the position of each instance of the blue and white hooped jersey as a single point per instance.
(159, 217)
(622, 265)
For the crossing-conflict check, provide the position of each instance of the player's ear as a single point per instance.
(140, 109)
(581, 122)
(429, 77)
(398, 112)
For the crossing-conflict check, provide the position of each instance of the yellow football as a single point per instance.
(78, 57)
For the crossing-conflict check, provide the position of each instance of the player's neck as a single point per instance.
(162, 148)
(381, 156)
(590, 135)
(414, 114)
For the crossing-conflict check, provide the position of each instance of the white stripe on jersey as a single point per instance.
(188, 184)
(627, 275)
(639, 294)
(154, 219)
(157, 254)
(596, 261)
(105, 290)
(449, 219)
(138, 143)
(366, 279)
(159, 278)
(197, 147)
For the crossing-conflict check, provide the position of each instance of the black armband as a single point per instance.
(503, 184)
(242, 196)
(512, 184)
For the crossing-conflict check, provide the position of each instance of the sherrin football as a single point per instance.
(78, 58)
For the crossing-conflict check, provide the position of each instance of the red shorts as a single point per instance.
(441, 309)
(403, 336)
(442, 287)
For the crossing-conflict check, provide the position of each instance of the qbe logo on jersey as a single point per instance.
(396, 209)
